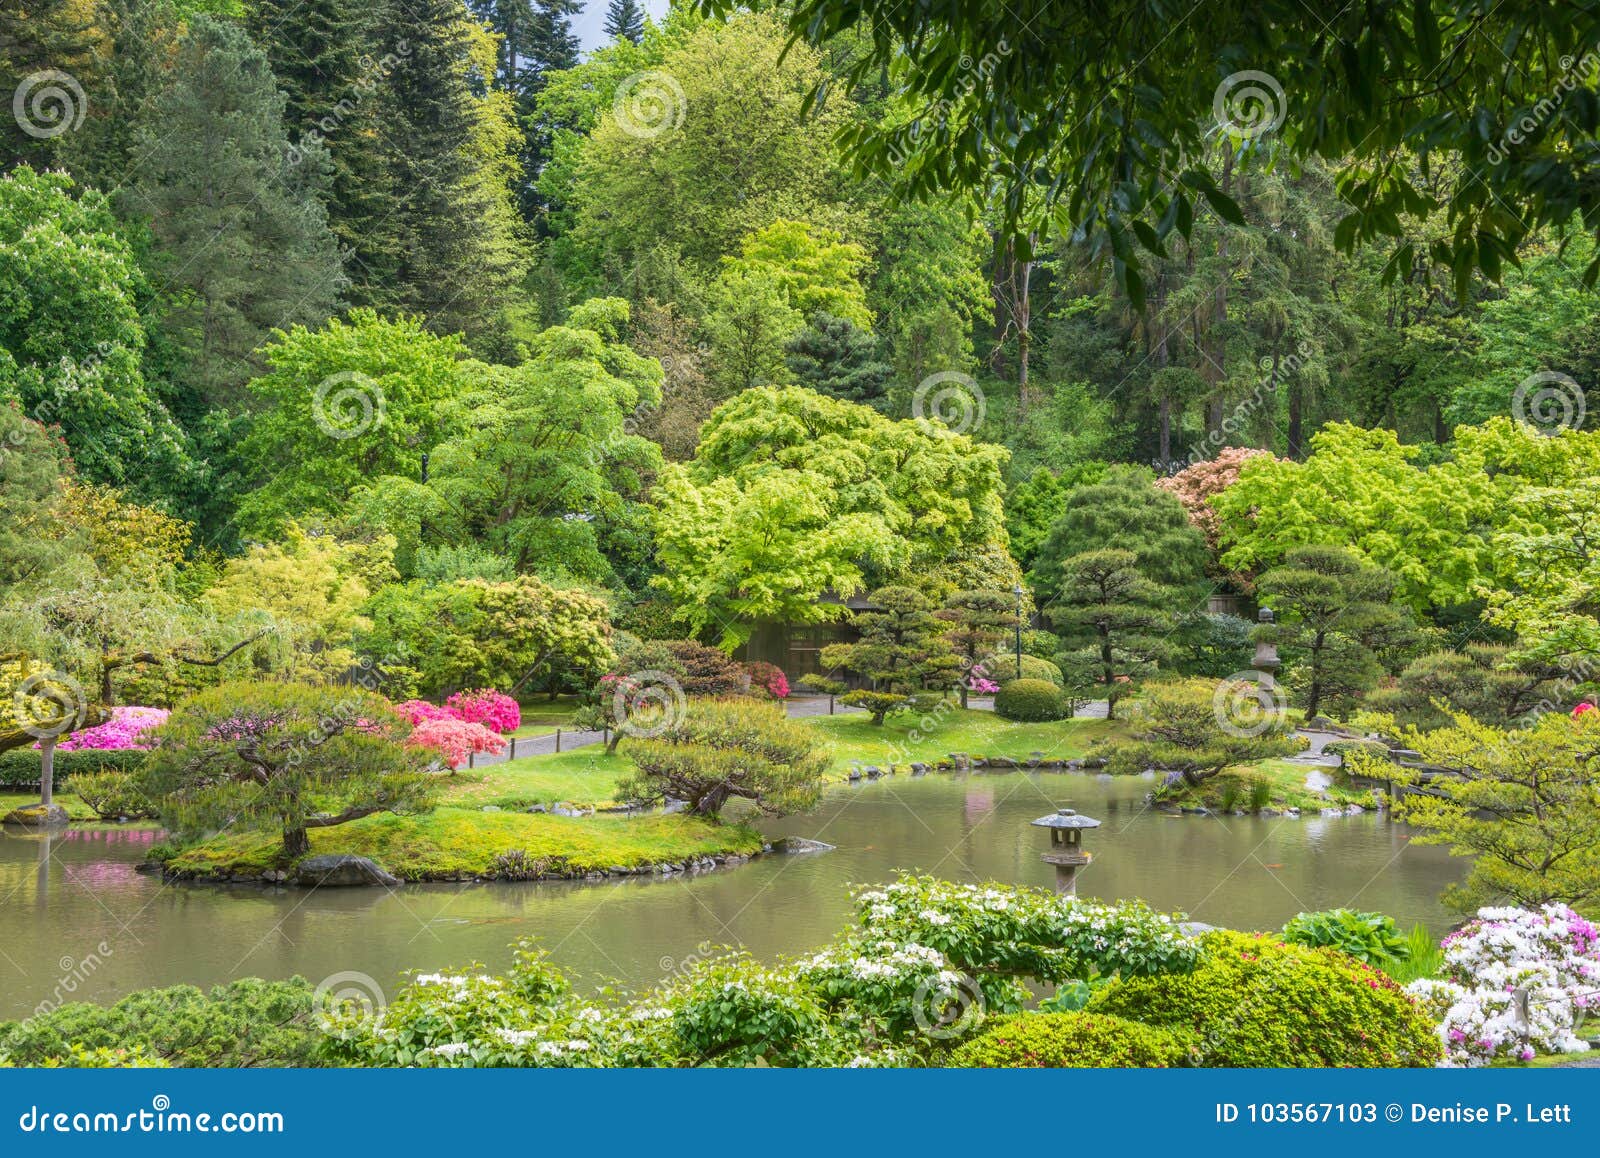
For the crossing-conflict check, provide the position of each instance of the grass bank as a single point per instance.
(461, 844)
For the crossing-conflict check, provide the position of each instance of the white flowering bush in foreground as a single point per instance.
(1519, 982)
(928, 961)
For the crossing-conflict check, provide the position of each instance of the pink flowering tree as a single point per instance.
(455, 740)
(492, 709)
(1196, 485)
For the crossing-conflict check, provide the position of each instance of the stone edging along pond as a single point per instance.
(347, 869)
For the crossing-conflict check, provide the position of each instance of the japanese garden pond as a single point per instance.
(73, 907)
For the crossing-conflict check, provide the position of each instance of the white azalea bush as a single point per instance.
(928, 962)
(1518, 983)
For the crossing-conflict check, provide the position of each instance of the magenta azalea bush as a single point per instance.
(485, 706)
(127, 728)
(454, 740)
(769, 678)
(978, 681)
(416, 712)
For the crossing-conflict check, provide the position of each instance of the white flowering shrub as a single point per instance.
(1519, 983)
(1026, 932)
(928, 962)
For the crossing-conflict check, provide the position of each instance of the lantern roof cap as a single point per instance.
(1066, 818)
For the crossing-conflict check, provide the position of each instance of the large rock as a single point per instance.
(39, 816)
(340, 869)
(800, 844)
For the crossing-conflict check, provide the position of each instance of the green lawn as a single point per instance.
(542, 716)
(582, 776)
(449, 841)
(903, 739)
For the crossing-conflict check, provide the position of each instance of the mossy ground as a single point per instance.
(903, 739)
(450, 842)
(1284, 787)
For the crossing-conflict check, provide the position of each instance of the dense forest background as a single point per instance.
(211, 205)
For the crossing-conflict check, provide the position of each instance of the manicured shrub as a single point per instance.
(20, 766)
(1069, 1041)
(112, 795)
(1002, 667)
(1253, 1001)
(244, 1023)
(707, 671)
(1030, 701)
(878, 704)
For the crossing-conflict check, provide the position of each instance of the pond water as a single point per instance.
(78, 922)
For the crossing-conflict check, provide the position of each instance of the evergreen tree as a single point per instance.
(1117, 614)
(625, 20)
(315, 48)
(244, 241)
(835, 356)
(426, 233)
(977, 622)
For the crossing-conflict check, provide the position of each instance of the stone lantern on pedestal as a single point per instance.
(1066, 847)
(1266, 661)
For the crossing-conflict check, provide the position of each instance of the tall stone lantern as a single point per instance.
(1266, 661)
(1066, 847)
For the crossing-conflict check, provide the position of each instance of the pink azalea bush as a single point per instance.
(416, 712)
(455, 740)
(978, 681)
(1518, 982)
(769, 678)
(488, 707)
(126, 729)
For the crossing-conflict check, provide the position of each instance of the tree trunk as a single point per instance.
(296, 843)
(1110, 675)
(47, 771)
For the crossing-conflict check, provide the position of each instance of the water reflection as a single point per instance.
(62, 895)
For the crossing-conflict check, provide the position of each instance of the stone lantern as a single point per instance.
(1266, 661)
(1066, 847)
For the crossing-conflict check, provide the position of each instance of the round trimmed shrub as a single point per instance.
(1002, 666)
(1030, 701)
(1069, 1041)
(1253, 1001)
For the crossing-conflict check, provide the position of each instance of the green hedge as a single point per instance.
(20, 767)
(1002, 666)
(1030, 701)
(1255, 1002)
(1069, 1041)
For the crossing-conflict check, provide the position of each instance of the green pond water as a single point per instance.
(78, 922)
